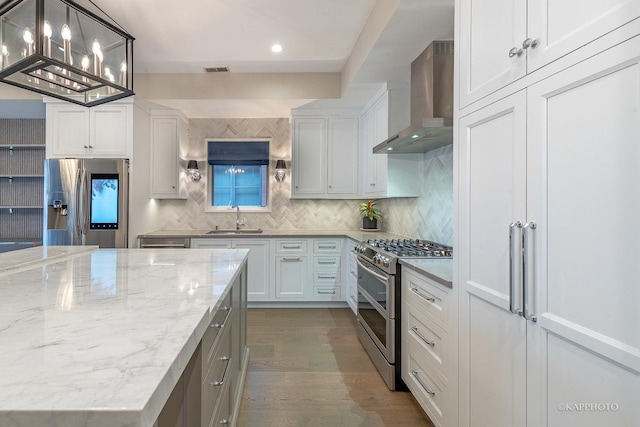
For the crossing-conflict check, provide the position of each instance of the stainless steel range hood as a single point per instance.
(431, 103)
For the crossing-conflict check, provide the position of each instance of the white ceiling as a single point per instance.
(317, 36)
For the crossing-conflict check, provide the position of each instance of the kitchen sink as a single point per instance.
(241, 231)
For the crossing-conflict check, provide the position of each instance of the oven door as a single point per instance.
(378, 286)
(373, 311)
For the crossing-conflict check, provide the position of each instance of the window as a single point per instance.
(238, 171)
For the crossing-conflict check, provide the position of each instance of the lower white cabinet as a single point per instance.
(259, 262)
(427, 357)
(351, 276)
(292, 271)
(327, 271)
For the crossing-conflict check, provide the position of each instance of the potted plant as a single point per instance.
(370, 215)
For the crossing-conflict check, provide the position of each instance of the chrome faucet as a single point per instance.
(238, 223)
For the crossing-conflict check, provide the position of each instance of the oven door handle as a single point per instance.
(378, 275)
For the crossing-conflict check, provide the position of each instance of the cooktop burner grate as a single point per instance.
(412, 248)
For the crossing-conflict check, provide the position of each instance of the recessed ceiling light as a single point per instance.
(276, 48)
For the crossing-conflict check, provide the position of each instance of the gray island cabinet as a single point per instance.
(122, 337)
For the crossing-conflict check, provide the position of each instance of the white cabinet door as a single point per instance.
(259, 272)
(489, 29)
(352, 276)
(104, 131)
(560, 27)
(259, 263)
(110, 130)
(492, 339)
(67, 128)
(309, 156)
(494, 33)
(584, 162)
(165, 158)
(343, 155)
(292, 277)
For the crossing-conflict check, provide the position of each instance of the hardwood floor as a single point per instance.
(307, 368)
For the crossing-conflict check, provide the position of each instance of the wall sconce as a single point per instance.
(192, 168)
(281, 167)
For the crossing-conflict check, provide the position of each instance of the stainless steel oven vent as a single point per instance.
(431, 103)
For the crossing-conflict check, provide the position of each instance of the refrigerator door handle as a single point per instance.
(77, 226)
(86, 200)
(514, 282)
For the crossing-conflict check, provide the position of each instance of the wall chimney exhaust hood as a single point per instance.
(431, 103)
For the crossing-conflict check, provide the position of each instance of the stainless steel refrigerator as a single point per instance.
(86, 202)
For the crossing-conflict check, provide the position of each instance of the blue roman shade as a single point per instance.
(238, 153)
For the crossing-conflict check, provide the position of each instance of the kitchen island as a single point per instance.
(102, 337)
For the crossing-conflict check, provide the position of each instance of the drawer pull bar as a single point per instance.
(430, 299)
(417, 377)
(327, 262)
(224, 322)
(422, 337)
(225, 374)
(292, 259)
(327, 247)
(291, 247)
(326, 277)
(321, 292)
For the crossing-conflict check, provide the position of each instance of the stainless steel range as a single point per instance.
(379, 298)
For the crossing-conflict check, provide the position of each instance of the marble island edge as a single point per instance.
(100, 337)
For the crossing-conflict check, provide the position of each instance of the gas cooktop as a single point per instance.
(406, 248)
(385, 253)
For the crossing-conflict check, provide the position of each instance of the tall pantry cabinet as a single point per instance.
(548, 166)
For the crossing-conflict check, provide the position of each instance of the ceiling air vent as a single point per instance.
(216, 69)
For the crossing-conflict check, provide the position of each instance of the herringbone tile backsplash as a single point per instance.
(429, 216)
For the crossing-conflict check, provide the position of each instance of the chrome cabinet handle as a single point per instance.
(327, 247)
(224, 375)
(290, 247)
(326, 276)
(422, 337)
(224, 322)
(327, 262)
(292, 259)
(515, 52)
(528, 272)
(512, 269)
(416, 375)
(529, 43)
(430, 299)
(321, 292)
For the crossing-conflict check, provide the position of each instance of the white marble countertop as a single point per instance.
(440, 270)
(357, 235)
(35, 255)
(100, 338)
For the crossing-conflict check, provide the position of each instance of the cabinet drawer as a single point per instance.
(222, 415)
(219, 322)
(426, 297)
(291, 246)
(327, 276)
(431, 397)
(218, 376)
(328, 262)
(327, 293)
(427, 343)
(333, 246)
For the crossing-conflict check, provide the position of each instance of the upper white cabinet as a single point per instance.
(168, 129)
(325, 152)
(104, 131)
(387, 175)
(503, 40)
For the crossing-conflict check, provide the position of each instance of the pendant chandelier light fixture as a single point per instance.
(61, 49)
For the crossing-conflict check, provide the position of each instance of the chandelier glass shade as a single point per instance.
(61, 49)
